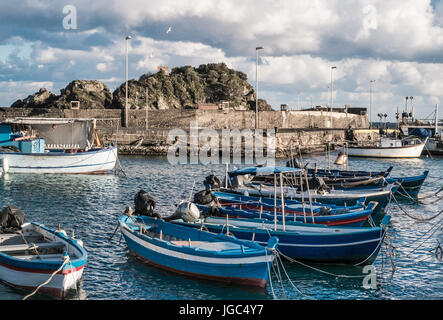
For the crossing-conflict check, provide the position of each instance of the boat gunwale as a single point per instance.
(47, 265)
(251, 249)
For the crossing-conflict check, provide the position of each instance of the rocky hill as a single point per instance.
(183, 87)
(91, 94)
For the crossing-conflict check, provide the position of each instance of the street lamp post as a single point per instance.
(370, 102)
(126, 77)
(147, 107)
(332, 93)
(256, 85)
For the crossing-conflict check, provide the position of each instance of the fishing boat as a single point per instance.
(198, 253)
(410, 147)
(305, 242)
(240, 181)
(344, 218)
(35, 254)
(409, 186)
(45, 145)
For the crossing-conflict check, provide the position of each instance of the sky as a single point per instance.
(396, 43)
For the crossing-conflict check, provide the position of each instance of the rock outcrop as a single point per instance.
(41, 99)
(184, 87)
(187, 87)
(91, 94)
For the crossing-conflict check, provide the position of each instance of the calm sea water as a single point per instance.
(90, 205)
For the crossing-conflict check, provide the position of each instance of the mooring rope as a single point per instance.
(65, 261)
(412, 217)
(270, 275)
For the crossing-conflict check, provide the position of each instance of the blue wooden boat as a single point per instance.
(346, 218)
(198, 253)
(306, 242)
(241, 185)
(231, 198)
(30, 257)
(409, 186)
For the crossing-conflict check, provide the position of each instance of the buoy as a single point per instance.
(341, 159)
(5, 165)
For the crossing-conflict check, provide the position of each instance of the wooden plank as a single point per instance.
(41, 257)
(31, 246)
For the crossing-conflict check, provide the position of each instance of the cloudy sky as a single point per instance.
(397, 43)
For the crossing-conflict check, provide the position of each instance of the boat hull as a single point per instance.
(251, 270)
(352, 219)
(413, 151)
(91, 162)
(321, 244)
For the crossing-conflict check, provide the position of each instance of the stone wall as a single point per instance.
(216, 119)
(308, 130)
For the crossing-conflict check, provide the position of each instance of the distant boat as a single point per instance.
(240, 184)
(198, 253)
(30, 257)
(68, 146)
(389, 148)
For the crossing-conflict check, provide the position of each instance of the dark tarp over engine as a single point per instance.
(11, 219)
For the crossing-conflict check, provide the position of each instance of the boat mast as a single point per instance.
(275, 202)
(282, 201)
(436, 120)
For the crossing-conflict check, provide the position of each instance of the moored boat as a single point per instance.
(306, 242)
(389, 148)
(32, 254)
(66, 146)
(344, 218)
(240, 183)
(198, 253)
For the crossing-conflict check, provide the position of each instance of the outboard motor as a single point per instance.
(212, 182)
(204, 197)
(296, 163)
(11, 219)
(187, 211)
(145, 205)
(317, 183)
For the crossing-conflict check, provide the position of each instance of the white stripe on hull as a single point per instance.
(33, 279)
(184, 256)
(87, 162)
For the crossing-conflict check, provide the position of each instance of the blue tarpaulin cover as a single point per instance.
(421, 132)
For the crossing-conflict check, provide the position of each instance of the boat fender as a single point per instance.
(63, 232)
(5, 165)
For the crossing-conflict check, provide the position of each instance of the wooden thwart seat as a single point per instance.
(31, 246)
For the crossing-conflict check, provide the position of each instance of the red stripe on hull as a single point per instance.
(243, 281)
(44, 271)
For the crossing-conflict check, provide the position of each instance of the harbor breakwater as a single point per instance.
(149, 131)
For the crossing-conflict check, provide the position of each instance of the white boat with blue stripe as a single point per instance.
(53, 146)
(39, 259)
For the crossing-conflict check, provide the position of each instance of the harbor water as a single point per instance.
(89, 206)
